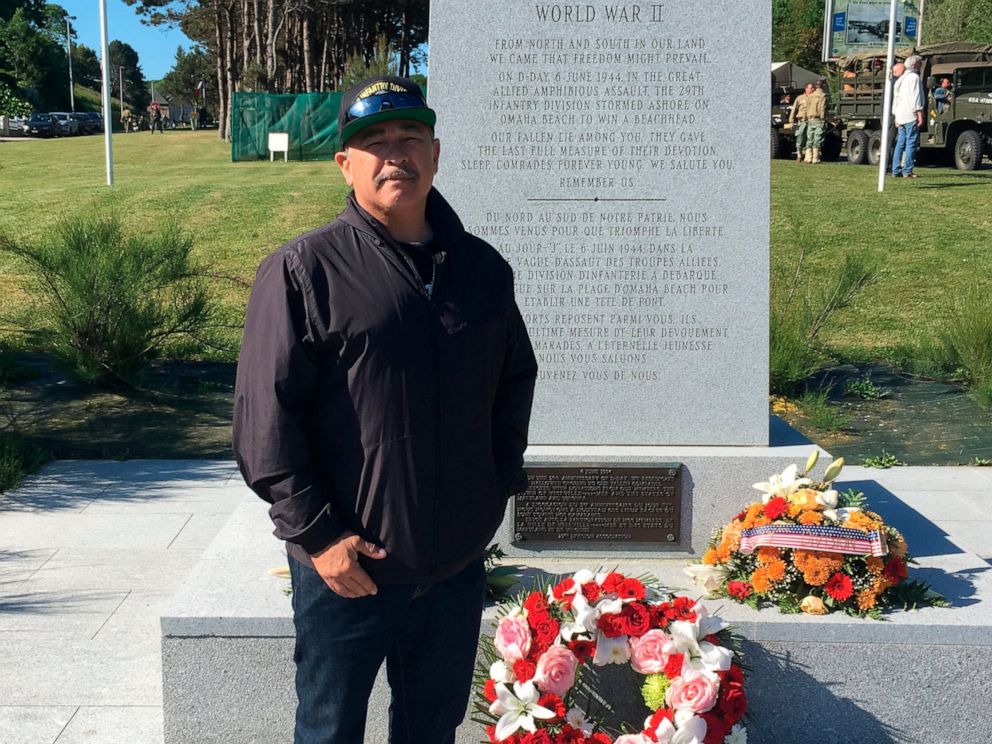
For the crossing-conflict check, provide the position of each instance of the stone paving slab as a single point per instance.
(17, 566)
(104, 671)
(33, 724)
(114, 725)
(72, 529)
(77, 613)
(73, 569)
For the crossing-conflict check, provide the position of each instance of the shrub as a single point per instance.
(968, 335)
(17, 460)
(113, 299)
(12, 104)
(803, 308)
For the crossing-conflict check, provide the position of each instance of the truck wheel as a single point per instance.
(857, 147)
(779, 147)
(968, 150)
(875, 148)
(831, 147)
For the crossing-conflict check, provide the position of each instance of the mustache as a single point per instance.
(397, 173)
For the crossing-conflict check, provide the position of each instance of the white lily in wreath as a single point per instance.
(700, 655)
(783, 485)
(518, 709)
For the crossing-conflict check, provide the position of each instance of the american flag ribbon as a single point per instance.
(814, 537)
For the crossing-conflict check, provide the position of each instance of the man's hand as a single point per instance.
(919, 119)
(338, 566)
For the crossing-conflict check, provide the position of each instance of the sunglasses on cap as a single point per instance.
(383, 102)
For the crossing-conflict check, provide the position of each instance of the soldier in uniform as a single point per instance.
(126, 120)
(816, 113)
(798, 114)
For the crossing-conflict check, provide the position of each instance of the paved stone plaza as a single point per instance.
(93, 551)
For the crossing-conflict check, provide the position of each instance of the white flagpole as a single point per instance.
(887, 101)
(108, 121)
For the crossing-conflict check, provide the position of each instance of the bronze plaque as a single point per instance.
(611, 505)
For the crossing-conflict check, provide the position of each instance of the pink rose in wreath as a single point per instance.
(647, 653)
(513, 638)
(695, 691)
(556, 671)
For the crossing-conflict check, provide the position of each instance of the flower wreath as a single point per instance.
(529, 682)
(804, 547)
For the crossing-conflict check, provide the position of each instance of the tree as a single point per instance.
(183, 80)
(124, 63)
(86, 66)
(797, 32)
(958, 20)
(30, 56)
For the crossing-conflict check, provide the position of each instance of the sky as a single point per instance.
(156, 47)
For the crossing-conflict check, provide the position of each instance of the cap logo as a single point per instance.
(383, 86)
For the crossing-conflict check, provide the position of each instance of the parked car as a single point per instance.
(95, 121)
(68, 125)
(43, 125)
(19, 125)
(83, 121)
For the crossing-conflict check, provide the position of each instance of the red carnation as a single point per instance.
(591, 591)
(635, 620)
(599, 738)
(559, 589)
(570, 735)
(732, 676)
(895, 570)
(632, 589)
(489, 690)
(535, 603)
(662, 714)
(716, 728)
(682, 607)
(612, 582)
(661, 614)
(611, 625)
(582, 649)
(538, 737)
(524, 670)
(536, 617)
(739, 590)
(775, 508)
(673, 668)
(491, 733)
(732, 703)
(839, 587)
(553, 703)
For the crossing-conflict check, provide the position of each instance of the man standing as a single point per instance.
(382, 403)
(816, 113)
(907, 109)
(798, 113)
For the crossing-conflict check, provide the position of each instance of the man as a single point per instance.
(798, 113)
(942, 95)
(382, 403)
(816, 113)
(907, 110)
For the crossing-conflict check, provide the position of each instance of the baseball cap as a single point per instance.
(381, 98)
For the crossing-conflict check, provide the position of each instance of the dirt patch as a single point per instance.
(183, 410)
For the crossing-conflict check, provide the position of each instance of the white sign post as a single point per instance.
(108, 121)
(883, 160)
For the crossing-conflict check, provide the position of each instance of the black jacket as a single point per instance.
(363, 404)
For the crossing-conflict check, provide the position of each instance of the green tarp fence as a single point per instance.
(310, 119)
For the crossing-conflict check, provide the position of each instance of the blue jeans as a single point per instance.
(905, 153)
(426, 635)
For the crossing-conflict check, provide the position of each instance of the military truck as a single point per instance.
(788, 83)
(960, 127)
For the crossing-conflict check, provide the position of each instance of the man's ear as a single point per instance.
(437, 153)
(341, 158)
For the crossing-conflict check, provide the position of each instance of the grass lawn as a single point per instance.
(237, 212)
(930, 235)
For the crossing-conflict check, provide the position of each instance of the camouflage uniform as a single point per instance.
(798, 113)
(816, 112)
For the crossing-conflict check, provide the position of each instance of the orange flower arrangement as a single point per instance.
(768, 566)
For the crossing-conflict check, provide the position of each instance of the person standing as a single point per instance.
(908, 102)
(382, 405)
(798, 114)
(816, 114)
